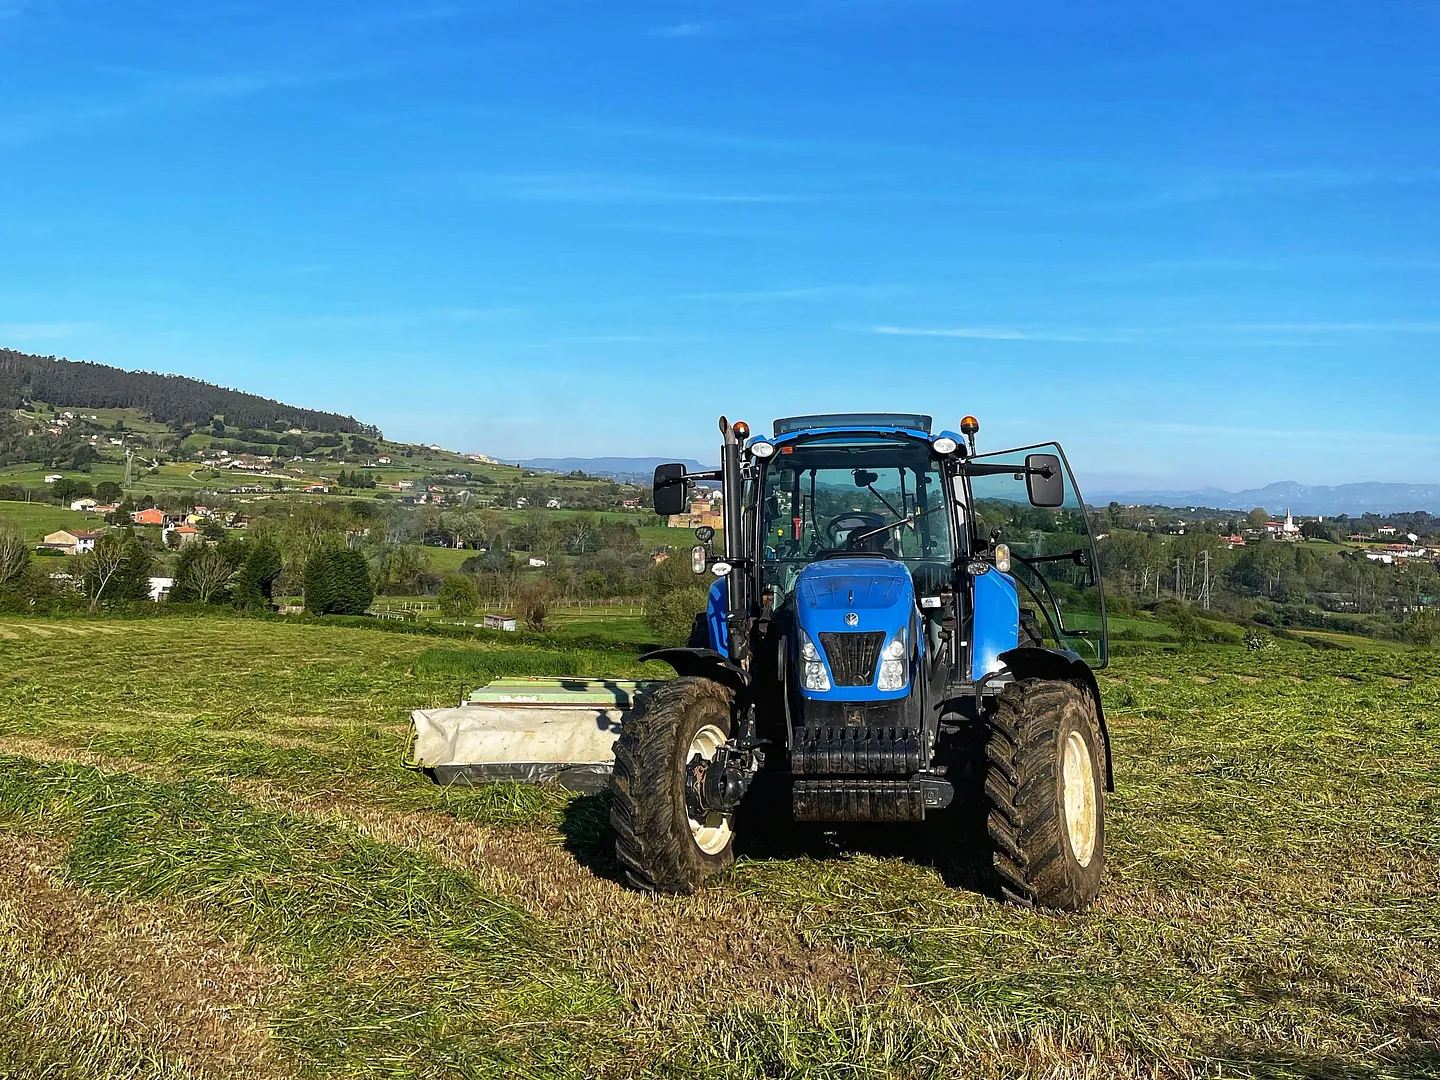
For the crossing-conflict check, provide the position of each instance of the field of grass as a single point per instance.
(37, 520)
(213, 864)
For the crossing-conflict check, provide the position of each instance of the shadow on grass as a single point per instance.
(1418, 1062)
(953, 841)
(585, 825)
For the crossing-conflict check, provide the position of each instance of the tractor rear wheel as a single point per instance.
(664, 842)
(1045, 789)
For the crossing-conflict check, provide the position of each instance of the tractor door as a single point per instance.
(1052, 549)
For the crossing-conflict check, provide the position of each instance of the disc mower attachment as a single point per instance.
(534, 730)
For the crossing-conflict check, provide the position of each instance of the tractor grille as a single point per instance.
(821, 749)
(853, 656)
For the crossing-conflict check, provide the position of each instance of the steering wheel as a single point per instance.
(856, 521)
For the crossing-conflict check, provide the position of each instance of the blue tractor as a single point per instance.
(891, 615)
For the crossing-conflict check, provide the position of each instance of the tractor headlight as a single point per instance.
(894, 669)
(762, 449)
(1002, 558)
(896, 649)
(807, 647)
(813, 675)
(698, 557)
(945, 446)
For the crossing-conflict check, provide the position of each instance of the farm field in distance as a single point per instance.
(213, 864)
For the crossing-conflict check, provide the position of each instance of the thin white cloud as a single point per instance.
(156, 91)
(1359, 326)
(607, 188)
(990, 333)
(1327, 436)
(407, 319)
(685, 30)
(39, 331)
(805, 292)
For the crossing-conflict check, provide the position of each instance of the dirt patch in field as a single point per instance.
(40, 750)
(96, 971)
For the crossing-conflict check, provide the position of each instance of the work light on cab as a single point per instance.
(970, 427)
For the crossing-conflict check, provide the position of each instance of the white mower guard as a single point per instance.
(535, 730)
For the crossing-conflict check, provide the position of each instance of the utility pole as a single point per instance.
(1205, 585)
(129, 468)
(1177, 577)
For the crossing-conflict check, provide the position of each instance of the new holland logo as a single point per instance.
(852, 619)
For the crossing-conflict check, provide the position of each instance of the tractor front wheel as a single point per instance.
(1045, 786)
(663, 841)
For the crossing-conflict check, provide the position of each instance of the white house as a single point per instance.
(75, 542)
(160, 588)
(84, 504)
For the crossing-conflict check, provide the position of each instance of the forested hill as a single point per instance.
(170, 399)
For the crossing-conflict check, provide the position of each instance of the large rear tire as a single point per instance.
(1045, 789)
(662, 842)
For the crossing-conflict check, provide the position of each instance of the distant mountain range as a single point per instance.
(1351, 499)
(1306, 499)
(614, 468)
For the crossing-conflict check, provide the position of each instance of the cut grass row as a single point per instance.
(1271, 907)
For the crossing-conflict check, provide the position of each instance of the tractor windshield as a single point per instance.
(830, 496)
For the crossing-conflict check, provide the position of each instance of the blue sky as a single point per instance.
(1197, 242)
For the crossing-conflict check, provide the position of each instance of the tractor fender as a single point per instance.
(704, 664)
(1035, 662)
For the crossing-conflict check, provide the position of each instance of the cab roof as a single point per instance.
(911, 423)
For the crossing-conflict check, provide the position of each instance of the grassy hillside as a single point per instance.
(211, 862)
(36, 520)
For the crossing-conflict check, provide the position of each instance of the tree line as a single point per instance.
(171, 399)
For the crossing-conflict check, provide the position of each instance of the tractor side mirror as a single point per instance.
(864, 478)
(1044, 480)
(671, 490)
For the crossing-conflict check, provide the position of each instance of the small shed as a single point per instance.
(500, 622)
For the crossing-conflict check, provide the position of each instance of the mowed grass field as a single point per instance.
(212, 863)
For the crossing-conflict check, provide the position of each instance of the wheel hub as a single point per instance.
(711, 830)
(1081, 814)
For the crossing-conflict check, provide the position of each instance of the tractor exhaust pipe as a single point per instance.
(737, 603)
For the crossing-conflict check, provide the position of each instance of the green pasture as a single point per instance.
(212, 863)
(37, 520)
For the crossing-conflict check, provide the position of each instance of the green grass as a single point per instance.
(1270, 907)
(37, 520)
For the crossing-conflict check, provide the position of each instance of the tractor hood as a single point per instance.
(872, 586)
(866, 602)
